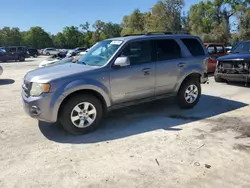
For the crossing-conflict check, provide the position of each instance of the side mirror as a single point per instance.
(122, 62)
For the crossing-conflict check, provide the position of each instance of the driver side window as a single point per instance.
(138, 52)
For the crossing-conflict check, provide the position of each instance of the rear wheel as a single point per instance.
(35, 55)
(81, 114)
(189, 94)
(21, 58)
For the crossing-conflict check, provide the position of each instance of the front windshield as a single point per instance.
(100, 53)
(243, 47)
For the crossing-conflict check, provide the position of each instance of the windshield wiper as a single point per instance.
(81, 62)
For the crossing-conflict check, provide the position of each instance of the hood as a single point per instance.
(234, 57)
(48, 74)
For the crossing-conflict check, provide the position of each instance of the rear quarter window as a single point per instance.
(194, 46)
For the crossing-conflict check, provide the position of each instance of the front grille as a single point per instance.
(234, 67)
(26, 88)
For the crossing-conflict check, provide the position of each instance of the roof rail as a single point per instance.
(158, 33)
(139, 34)
(167, 32)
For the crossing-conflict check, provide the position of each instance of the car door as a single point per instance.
(169, 61)
(136, 81)
(13, 55)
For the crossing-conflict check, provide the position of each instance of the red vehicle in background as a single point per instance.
(215, 50)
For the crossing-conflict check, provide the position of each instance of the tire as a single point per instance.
(218, 79)
(47, 53)
(21, 58)
(35, 55)
(182, 97)
(68, 111)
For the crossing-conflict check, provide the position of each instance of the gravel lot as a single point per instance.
(150, 145)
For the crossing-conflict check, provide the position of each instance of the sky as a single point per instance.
(54, 15)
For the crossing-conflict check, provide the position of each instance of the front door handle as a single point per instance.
(146, 71)
(181, 64)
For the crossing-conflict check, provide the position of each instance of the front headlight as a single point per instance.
(37, 89)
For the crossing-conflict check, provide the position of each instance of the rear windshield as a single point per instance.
(243, 47)
(194, 46)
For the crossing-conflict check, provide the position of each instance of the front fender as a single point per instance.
(77, 85)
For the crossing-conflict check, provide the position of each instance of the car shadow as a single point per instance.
(6, 81)
(162, 114)
(239, 84)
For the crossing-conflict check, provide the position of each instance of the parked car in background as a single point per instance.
(228, 49)
(1, 70)
(215, 50)
(76, 51)
(60, 58)
(40, 51)
(16, 53)
(116, 73)
(50, 51)
(33, 52)
(55, 61)
(236, 66)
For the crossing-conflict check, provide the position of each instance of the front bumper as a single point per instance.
(40, 107)
(234, 77)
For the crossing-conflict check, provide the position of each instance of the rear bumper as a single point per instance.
(234, 77)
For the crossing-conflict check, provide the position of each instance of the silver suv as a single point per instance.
(116, 73)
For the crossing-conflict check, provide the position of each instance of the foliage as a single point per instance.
(37, 38)
(209, 19)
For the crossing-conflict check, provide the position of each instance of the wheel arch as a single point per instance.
(193, 75)
(105, 103)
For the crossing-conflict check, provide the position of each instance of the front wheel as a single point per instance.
(189, 94)
(48, 53)
(81, 114)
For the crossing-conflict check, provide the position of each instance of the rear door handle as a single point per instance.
(146, 71)
(181, 64)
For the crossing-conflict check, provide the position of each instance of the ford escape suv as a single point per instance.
(116, 73)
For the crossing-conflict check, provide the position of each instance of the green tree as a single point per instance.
(10, 36)
(36, 37)
(73, 37)
(111, 30)
(166, 15)
(134, 23)
(59, 40)
(244, 26)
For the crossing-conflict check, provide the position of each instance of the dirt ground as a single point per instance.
(151, 145)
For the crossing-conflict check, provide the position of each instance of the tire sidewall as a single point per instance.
(65, 114)
(181, 95)
(21, 58)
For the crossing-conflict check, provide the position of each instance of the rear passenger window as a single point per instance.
(194, 46)
(167, 49)
(211, 50)
(12, 49)
(220, 49)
